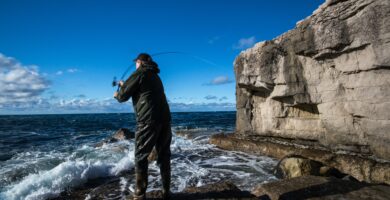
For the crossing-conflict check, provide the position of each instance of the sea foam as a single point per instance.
(70, 173)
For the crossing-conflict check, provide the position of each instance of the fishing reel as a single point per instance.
(115, 82)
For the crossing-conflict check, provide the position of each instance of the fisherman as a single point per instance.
(153, 122)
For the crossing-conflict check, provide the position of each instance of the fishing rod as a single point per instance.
(116, 83)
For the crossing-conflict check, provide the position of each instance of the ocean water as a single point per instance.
(44, 155)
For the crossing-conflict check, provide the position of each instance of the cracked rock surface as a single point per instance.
(327, 81)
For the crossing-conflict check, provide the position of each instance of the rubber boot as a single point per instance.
(141, 182)
(166, 181)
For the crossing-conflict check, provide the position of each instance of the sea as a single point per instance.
(41, 156)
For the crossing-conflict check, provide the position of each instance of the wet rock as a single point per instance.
(222, 190)
(185, 134)
(191, 133)
(121, 134)
(360, 167)
(111, 188)
(315, 187)
(153, 155)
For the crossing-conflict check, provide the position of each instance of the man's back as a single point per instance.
(147, 92)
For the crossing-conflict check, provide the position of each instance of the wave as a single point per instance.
(194, 163)
(81, 166)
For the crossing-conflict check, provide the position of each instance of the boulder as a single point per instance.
(294, 166)
(153, 155)
(121, 134)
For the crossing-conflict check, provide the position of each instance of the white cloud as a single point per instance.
(245, 43)
(193, 107)
(219, 80)
(59, 73)
(72, 70)
(109, 105)
(210, 97)
(223, 98)
(19, 83)
(75, 105)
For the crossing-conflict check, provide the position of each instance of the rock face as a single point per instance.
(326, 81)
(314, 187)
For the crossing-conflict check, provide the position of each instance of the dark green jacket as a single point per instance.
(147, 92)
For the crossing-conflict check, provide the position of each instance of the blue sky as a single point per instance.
(61, 56)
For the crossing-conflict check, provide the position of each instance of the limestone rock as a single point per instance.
(153, 155)
(326, 81)
(314, 187)
(361, 168)
(295, 166)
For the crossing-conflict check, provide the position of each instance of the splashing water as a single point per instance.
(59, 158)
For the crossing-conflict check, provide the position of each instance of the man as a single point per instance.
(153, 122)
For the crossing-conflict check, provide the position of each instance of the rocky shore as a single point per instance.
(300, 178)
(317, 99)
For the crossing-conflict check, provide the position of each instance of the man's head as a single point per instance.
(141, 59)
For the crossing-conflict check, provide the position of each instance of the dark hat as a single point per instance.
(143, 57)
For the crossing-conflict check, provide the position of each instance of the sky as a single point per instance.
(61, 56)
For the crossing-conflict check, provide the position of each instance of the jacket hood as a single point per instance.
(152, 66)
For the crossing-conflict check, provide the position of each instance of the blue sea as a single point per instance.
(44, 155)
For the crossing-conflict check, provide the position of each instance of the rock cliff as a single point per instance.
(326, 81)
(321, 91)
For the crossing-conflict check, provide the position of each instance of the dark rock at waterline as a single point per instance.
(191, 133)
(221, 190)
(121, 134)
(110, 188)
(315, 187)
(125, 134)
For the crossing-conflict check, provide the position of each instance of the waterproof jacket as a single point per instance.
(147, 92)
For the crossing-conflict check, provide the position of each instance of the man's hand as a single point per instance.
(120, 83)
(115, 94)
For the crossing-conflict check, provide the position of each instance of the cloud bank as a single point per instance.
(20, 84)
(245, 43)
(219, 80)
(22, 88)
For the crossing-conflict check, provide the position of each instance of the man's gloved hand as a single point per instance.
(120, 83)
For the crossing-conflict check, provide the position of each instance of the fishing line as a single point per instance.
(115, 82)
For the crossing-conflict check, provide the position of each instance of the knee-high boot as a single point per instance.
(141, 183)
(165, 172)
